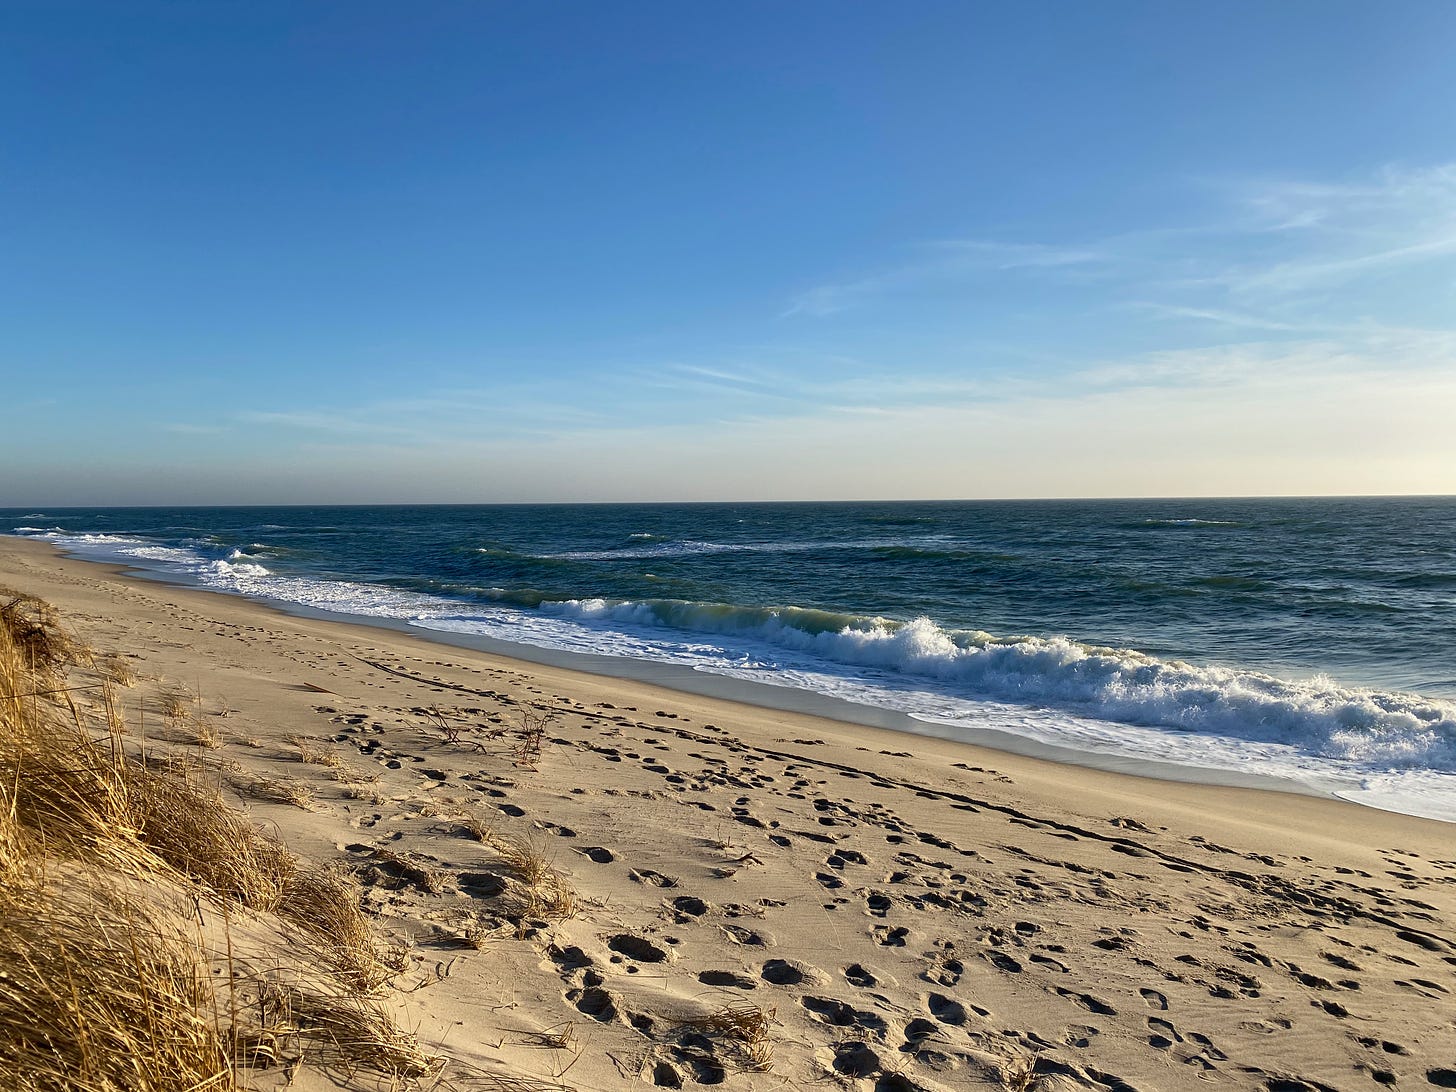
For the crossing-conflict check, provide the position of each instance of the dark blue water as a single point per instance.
(1310, 636)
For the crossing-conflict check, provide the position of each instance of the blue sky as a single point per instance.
(312, 252)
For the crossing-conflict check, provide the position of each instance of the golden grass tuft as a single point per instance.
(316, 752)
(151, 937)
(478, 931)
(275, 790)
(429, 880)
(185, 821)
(474, 825)
(175, 702)
(328, 903)
(34, 637)
(96, 995)
(542, 891)
(744, 1025)
(116, 669)
(199, 732)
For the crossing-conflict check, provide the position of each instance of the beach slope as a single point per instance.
(596, 884)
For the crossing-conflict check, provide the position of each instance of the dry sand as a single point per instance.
(892, 912)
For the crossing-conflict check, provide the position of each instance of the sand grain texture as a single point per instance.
(602, 885)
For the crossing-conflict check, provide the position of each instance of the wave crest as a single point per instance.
(1316, 715)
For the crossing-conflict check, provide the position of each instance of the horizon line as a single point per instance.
(820, 500)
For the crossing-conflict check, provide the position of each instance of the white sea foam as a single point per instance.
(693, 548)
(228, 575)
(1190, 523)
(238, 571)
(664, 549)
(1366, 726)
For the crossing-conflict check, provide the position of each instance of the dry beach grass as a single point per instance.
(142, 919)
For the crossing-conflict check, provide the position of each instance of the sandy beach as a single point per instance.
(762, 899)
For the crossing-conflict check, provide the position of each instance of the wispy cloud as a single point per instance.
(1313, 271)
(1291, 203)
(1291, 256)
(185, 428)
(942, 261)
(1219, 317)
(1003, 256)
(747, 379)
(340, 421)
(442, 416)
(1334, 235)
(1384, 353)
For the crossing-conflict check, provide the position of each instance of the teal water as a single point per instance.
(1304, 638)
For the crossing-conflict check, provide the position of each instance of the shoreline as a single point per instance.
(687, 680)
(902, 912)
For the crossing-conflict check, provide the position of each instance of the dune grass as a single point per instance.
(152, 938)
(746, 1027)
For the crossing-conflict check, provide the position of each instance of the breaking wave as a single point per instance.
(1118, 684)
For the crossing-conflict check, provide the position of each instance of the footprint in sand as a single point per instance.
(1267, 1027)
(638, 948)
(594, 1002)
(1002, 962)
(689, 906)
(1086, 1001)
(1154, 999)
(945, 973)
(651, 878)
(946, 1009)
(481, 885)
(1080, 1035)
(727, 978)
(917, 1031)
(1423, 986)
(1164, 1034)
(569, 959)
(1384, 1044)
(855, 1059)
(836, 1013)
(781, 972)
(598, 854)
(666, 1075)
(739, 935)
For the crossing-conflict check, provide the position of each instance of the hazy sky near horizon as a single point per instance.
(267, 252)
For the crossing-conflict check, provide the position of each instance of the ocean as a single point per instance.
(1309, 640)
